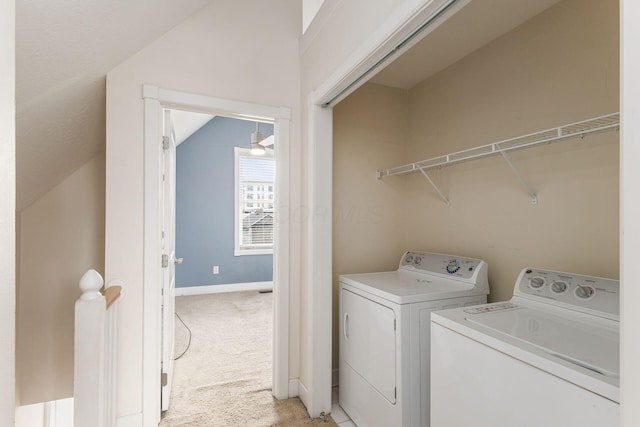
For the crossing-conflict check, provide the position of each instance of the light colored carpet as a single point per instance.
(224, 379)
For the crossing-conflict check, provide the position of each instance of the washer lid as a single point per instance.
(405, 287)
(590, 346)
(580, 348)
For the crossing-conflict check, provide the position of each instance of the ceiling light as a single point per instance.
(256, 137)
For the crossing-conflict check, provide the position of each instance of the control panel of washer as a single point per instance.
(440, 263)
(578, 292)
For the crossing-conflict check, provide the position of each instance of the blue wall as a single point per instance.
(204, 207)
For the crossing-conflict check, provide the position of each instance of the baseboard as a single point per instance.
(293, 387)
(335, 378)
(216, 289)
(133, 420)
(303, 393)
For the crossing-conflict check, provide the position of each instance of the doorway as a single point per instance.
(224, 228)
(157, 99)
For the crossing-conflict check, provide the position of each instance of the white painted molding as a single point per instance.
(212, 105)
(218, 289)
(405, 19)
(133, 420)
(151, 311)
(319, 260)
(154, 100)
(335, 378)
(303, 393)
(293, 387)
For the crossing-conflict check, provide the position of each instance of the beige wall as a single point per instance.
(61, 236)
(369, 131)
(559, 67)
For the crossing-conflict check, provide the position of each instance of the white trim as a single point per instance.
(304, 395)
(293, 387)
(281, 259)
(154, 99)
(152, 311)
(403, 21)
(133, 420)
(319, 279)
(244, 252)
(211, 105)
(219, 289)
(629, 213)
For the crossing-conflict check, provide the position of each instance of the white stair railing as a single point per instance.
(94, 380)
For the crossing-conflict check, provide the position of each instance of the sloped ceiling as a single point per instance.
(64, 48)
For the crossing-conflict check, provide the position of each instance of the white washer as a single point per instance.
(385, 334)
(548, 357)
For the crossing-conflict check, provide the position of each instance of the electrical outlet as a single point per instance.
(216, 269)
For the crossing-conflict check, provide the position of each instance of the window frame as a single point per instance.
(238, 250)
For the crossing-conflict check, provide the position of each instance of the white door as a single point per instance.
(368, 342)
(168, 256)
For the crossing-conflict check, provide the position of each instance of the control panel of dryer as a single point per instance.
(588, 294)
(448, 265)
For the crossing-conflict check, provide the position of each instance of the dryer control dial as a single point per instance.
(559, 286)
(585, 292)
(453, 266)
(536, 282)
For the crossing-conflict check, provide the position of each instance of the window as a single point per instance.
(254, 207)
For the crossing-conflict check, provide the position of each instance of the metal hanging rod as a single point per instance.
(572, 130)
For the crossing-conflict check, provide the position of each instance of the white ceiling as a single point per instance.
(478, 23)
(186, 123)
(64, 48)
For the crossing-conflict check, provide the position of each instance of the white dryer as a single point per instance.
(385, 334)
(547, 357)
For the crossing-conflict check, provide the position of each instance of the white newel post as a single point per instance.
(88, 380)
(93, 363)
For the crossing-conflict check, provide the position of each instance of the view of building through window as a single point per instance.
(256, 179)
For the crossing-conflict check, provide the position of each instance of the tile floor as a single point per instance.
(337, 413)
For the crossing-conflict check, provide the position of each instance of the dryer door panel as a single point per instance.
(368, 342)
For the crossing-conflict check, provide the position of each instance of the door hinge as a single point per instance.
(395, 392)
(165, 261)
(165, 142)
(164, 379)
(394, 324)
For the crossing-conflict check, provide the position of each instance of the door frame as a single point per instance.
(155, 99)
(349, 75)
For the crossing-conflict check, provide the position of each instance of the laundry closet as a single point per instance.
(557, 208)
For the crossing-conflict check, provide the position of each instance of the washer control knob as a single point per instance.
(453, 266)
(585, 292)
(558, 286)
(408, 259)
(417, 260)
(536, 282)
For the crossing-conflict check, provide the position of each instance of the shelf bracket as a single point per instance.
(433, 184)
(532, 194)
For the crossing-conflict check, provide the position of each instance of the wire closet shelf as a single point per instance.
(572, 130)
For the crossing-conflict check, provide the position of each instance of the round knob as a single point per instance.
(453, 267)
(585, 292)
(408, 259)
(558, 286)
(536, 282)
(418, 260)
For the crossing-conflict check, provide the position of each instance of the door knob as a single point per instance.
(178, 260)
